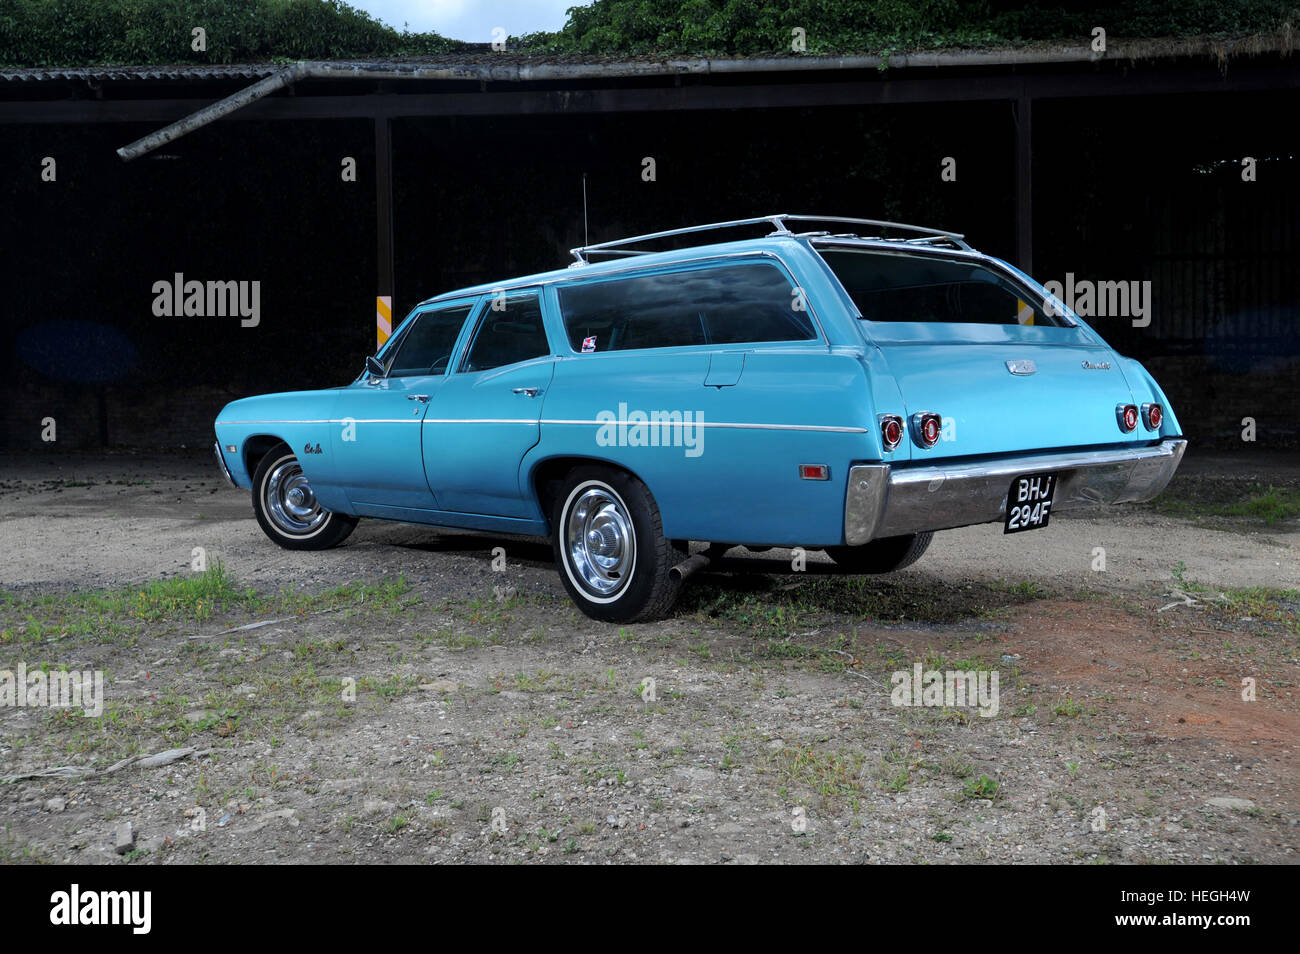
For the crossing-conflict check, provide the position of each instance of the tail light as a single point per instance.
(1127, 415)
(927, 426)
(1152, 415)
(891, 430)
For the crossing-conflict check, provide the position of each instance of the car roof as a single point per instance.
(579, 270)
(776, 244)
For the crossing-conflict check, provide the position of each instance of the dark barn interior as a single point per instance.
(1112, 171)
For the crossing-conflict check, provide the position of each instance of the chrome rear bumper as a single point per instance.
(885, 502)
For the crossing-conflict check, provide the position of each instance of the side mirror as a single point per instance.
(374, 368)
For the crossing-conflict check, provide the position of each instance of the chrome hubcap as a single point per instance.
(600, 542)
(290, 502)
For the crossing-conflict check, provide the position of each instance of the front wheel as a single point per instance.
(287, 509)
(610, 549)
(882, 556)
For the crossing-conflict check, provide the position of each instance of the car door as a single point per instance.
(485, 416)
(377, 437)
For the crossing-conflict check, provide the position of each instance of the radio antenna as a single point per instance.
(586, 237)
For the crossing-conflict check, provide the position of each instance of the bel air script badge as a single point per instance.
(1096, 365)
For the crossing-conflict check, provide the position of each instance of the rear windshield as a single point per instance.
(888, 287)
(726, 304)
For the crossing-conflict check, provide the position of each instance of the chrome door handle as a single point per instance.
(531, 392)
(422, 398)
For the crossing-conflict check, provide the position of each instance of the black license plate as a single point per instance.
(1029, 502)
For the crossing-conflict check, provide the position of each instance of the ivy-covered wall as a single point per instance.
(878, 26)
(118, 32)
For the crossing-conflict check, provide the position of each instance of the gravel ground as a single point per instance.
(492, 722)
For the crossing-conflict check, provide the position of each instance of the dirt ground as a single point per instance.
(493, 722)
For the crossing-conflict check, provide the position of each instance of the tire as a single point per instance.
(609, 546)
(882, 556)
(287, 510)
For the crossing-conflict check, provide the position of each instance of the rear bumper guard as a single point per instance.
(886, 502)
(221, 462)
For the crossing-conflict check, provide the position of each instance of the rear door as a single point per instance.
(962, 341)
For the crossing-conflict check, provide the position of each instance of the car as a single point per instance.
(852, 388)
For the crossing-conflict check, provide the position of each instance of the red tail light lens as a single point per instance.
(926, 428)
(891, 430)
(1152, 415)
(1127, 415)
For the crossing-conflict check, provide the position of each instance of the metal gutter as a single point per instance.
(215, 111)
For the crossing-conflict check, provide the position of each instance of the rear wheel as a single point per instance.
(287, 508)
(882, 556)
(609, 546)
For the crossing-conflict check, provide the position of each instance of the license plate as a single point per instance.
(1029, 502)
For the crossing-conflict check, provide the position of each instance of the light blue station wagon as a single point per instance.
(843, 391)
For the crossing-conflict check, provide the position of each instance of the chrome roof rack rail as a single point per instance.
(778, 222)
(608, 248)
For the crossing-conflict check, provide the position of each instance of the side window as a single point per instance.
(510, 330)
(426, 346)
(724, 304)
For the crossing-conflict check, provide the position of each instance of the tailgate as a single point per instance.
(965, 337)
(1064, 397)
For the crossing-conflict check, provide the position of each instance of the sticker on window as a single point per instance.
(589, 344)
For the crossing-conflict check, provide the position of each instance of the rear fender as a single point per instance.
(1145, 389)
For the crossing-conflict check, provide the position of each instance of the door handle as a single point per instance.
(422, 398)
(530, 392)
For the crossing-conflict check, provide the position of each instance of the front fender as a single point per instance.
(301, 419)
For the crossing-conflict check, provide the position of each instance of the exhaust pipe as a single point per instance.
(688, 566)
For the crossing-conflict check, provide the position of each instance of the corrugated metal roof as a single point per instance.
(512, 65)
(186, 72)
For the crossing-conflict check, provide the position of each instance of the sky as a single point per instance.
(471, 20)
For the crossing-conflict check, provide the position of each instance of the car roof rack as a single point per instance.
(922, 235)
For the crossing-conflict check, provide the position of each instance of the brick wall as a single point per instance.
(1212, 395)
(114, 417)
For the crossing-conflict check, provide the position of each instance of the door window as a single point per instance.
(510, 331)
(426, 346)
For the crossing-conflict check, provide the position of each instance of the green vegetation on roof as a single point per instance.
(70, 33)
(746, 27)
(154, 32)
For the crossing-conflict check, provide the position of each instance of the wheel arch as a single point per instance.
(546, 475)
(256, 447)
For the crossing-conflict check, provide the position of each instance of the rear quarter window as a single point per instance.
(729, 304)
